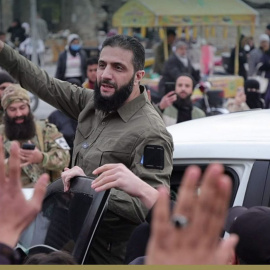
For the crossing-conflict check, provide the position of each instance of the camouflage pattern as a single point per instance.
(55, 156)
(14, 93)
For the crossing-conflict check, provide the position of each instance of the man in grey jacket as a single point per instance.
(256, 54)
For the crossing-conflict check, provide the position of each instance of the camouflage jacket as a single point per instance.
(55, 152)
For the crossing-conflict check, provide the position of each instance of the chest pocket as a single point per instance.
(113, 150)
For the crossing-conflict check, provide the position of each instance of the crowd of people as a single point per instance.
(106, 126)
(253, 68)
(20, 37)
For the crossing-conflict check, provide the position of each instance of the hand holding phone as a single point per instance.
(167, 100)
(28, 146)
(34, 156)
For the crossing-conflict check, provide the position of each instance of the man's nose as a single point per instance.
(18, 113)
(107, 73)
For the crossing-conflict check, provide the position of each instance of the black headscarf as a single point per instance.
(253, 95)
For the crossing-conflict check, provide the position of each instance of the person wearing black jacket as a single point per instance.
(242, 59)
(72, 61)
(265, 67)
(177, 64)
(17, 32)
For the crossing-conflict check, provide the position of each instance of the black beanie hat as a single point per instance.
(253, 228)
(5, 77)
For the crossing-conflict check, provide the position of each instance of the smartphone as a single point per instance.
(28, 146)
(169, 86)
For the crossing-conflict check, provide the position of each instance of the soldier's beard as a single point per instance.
(21, 132)
(114, 102)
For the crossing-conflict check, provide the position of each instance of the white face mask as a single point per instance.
(247, 48)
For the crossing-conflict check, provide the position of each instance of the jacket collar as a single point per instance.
(132, 107)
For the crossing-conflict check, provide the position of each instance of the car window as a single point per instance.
(179, 170)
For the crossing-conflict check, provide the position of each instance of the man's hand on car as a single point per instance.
(68, 174)
(120, 177)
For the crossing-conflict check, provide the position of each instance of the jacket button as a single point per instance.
(85, 145)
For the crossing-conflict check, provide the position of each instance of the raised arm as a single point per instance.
(62, 95)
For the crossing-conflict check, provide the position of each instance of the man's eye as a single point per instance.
(119, 67)
(101, 65)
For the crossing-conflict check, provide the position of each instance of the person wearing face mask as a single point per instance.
(177, 106)
(252, 91)
(72, 61)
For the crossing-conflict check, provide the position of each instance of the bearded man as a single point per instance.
(50, 154)
(177, 106)
(116, 124)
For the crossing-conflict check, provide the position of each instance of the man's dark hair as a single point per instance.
(171, 32)
(2, 33)
(92, 61)
(130, 44)
(17, 21)
(187, 75)
(252, 225)
(56, 257)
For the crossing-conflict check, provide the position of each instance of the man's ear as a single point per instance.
(138, 77)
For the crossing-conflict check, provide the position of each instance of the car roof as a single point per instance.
(241, 135)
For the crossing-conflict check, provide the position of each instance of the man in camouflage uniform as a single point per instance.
(50, 154)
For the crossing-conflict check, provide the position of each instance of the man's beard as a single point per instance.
(182, 103)
(21, 132)
(115, 101)
(184, 108)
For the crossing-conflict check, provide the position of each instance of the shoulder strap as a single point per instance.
(40, 136)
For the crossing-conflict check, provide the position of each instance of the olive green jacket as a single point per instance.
(117, 137)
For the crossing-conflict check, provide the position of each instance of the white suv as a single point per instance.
(239, 141)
